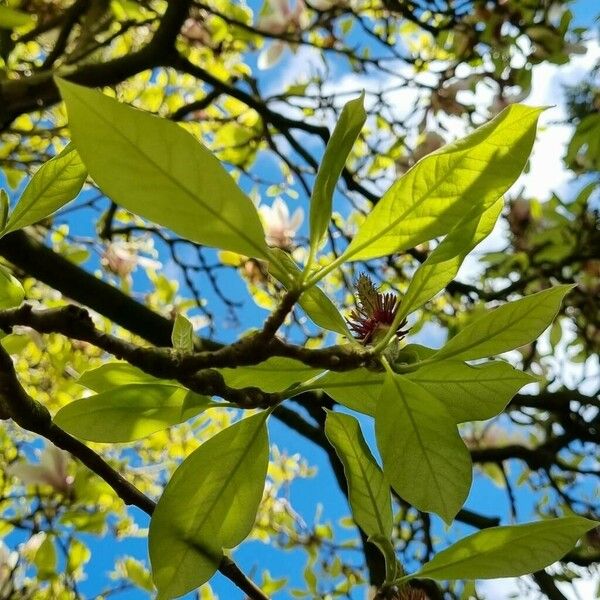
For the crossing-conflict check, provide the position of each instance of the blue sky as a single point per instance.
(307, 495)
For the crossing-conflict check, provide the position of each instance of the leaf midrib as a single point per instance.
(218, 215)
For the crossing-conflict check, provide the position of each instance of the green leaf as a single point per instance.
(387, 549)
(368, 491)
(4, 206)
(358, 389)
(314, 302)
(45, 558)
(433, 196)
(156, 169)
(510, 326)
(115, 374)
(273, 375)
(11, 290)
(10, 18)
(209, 504)
(130, 412)
(424, 457)
(471, 393)
(338, 148)
(509, 551)
(52, 186)
(443, 263)
(182, 336)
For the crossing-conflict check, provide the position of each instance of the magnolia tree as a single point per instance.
(163, 301)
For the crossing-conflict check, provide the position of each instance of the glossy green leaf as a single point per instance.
(424, 457)
(273, 375)
(313, 301)
(11, 18)
(471, 393)
(182, 336)
(130, 412)
(114, 374)
(338, 148)
(510, 326)
(507, 551)
(433, 196)
(358, 389)
(442, 265)
(52, 186)
(156, 169)
(11, 290)
(369, 492)
(209, 504)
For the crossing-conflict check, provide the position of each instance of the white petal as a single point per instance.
(296, 220)
(267, 58)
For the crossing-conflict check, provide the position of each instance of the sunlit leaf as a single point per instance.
(471, 393)
(442, 265)
(11, 290)
(182, 336)
(340, 144)
(507, 551)
(424, 457)
(156, 169)
(510, 326)
(130, 412)
(273, 375)
(52, 186)
(209, 504)
(431, 198)
(369, 492)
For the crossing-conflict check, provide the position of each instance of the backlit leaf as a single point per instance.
(424, 457)
(209, 504)
(156, 169)
(433, 196)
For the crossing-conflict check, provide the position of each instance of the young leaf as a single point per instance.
(273, 375)
(358, 389)
(182, 336)
(340, 144)
(11, 290)
(510, 326)
(369, 492)
(471, 393)
(156, 169)
(114, 374)
(209, 504)
(424, 457)
(437, 192)
(313, 301)
(52, 186)
(443, 263)
(130, 412)
(507, 551)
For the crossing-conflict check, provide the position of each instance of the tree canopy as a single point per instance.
(233, 234)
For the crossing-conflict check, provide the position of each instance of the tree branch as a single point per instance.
(33, 416)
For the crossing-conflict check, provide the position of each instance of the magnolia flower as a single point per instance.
(279, 18)
(195, 32)
(375, 312)
(280, 228)
(8, 562)
(51, 470)
(122, 258)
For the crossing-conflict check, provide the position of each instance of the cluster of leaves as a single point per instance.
(211, 501)
(209, 84)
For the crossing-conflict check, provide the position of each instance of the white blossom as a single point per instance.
(280, 227)
(52, 469)
(122, 258)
